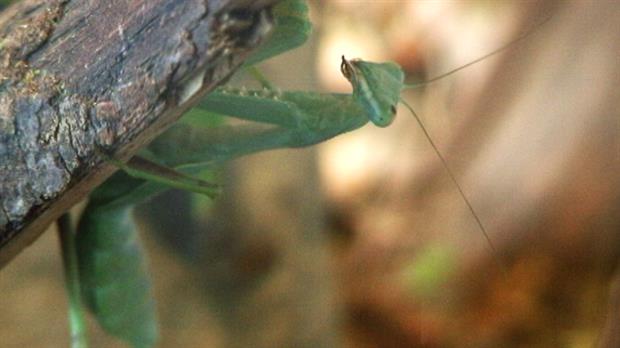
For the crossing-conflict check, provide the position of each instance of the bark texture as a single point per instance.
(80, 79)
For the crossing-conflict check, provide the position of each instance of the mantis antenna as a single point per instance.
(500, 49)
(452, 177)
(436, 149)
(432, 143)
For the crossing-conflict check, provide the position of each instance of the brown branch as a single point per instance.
(81, 77)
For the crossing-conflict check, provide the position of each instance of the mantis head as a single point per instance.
(376, 86)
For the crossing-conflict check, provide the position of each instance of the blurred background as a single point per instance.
(364, 241)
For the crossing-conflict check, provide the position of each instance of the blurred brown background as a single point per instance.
(364, 241)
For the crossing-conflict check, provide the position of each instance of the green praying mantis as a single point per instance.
(111, 271)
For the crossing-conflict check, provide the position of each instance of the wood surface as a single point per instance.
(80, 79)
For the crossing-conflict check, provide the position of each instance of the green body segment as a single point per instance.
(376, 86)
(113, 276)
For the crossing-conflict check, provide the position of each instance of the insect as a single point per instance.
(111, 268)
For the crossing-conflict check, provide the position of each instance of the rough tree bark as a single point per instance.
(82, 78)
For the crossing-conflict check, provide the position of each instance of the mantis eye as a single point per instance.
(393, 109)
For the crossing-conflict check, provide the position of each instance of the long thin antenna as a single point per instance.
(492, 53)
(455, 182)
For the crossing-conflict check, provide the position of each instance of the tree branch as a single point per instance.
(78, 78)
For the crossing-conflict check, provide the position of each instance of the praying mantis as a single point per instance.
(113, 280)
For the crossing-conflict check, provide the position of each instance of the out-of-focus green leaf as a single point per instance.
(429, 269)
(4, 3)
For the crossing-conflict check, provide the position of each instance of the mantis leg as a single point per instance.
(298, 119)
(319, 117)
(315, 112)
(265, 106)
(224, 143)
(189, 147)
(142, 168)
